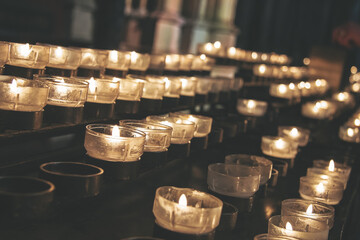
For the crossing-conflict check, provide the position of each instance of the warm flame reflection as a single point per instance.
(309, 210)
(288, 226)
(332, 166)
(183, 200)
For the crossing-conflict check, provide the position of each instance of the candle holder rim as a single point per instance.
(264, 160)
(213, 198)
(336, 184)
(30, 45)
(56, 46)
(290, 127)
(330, 212)
(63, 81)
(340, 165)
(265, 236)
(44, 165)
(90, 130)
(277, 218)
(7, 79)
(130, 79)
(256, 168)
(202, 117)
(262, 103)
(159, 127)
(51, 186)
(169, 119)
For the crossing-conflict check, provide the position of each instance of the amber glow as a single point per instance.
(183, 200)
(288, 226)
(309, 210)
(115, 131)
(331, 165)
(320, 188)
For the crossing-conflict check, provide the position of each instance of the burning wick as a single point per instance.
(294, 132)
(115, 131)
(332, 166)
(183, 200)
(288, 226)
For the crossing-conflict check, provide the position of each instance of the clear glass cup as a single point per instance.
(130, 89)
(117, 60)
(28, 55)
(102, 90)
(203, 123)
(63, 57)
(93, 58)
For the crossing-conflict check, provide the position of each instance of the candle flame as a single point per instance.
(183, 200)
(282, 88)
(58, 52)
(357, 122)
(350, 132)
(280, 144)
(307, 85)
(262, 68)
(203, 57)
(92, 85)
(251, 104)
(232, 51)
(115, 131)
(13, 87)
(309, 210)
(24, 50)
(292, 86)
(294, 132)
(331, 166)
(217, 44)
(341, 97)
(288, 226)
(113, 56)
(208, 47)
(134, 56)
(320, 188)
(254, 55)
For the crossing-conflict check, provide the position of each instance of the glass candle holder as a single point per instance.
(157, 62)
(251, 107)
(154, 89)
(186, 62)
(66, 92)
(326, 175)
(209, 63)
(183, 130)
(353, 122)
(320, 86)
(236, 84)
(265, 236)
(317, 189)
(332, 166)
(188, 86)
(93, 58)
(63, 57)
(344, 98)
(139, 62)
(186, 210)
(203, 123)
(198, 62)
(278, 147)
(296, 134)
(102, 90)
(114, 143)
(130, 89)
(215, 49)
(117, 60)
(203, 85)
(157, 137)
(288, 91)
(172, 62)
(319, 109)
(172, 85)
(349, 134)
(28, 56)
(20, 94)
(233, 180)
(4, 52)
(265, 165)
(308, 209)
(298, 227)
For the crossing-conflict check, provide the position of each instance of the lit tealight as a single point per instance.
(217, 44)
(288, 226)
(331, 165)
(115, 131)
(183, 200)
(309, 210)
(294, 132)
(282, 88)
(320, 188)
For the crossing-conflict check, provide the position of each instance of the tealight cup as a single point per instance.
(308, 209)
(265, 236)
(139, 62)
(344, 98)
(93, 58)
(298, 227)
(278, 147)
(317, 189)
(102, 90)
(288, 91)
(114, 143)
(172, 85)
(319, 109)
(342, 169)
(233, 180)
(188, 86)
(203, 123)
(264, 164)
(183, 130)
(296, 134)
(117, 60)
(65, 92)
(186, 210)
(154, 89)
(186, 62)
(63, 57)
(20, 94)
(172, 62)
(326, 175)
(130, 89)
(349, 134)
(250, 107)
(28, 56)
(4, 52)
(157, 137)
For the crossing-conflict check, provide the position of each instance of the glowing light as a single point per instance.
(178, 121)
(217, 44)
(264, 56)
(320, 188)
(92, 85)
(306, 61)
(307, 85)
(309, 210)
(288, 226)
(13, 87)
(350, 132)
(353, 70)
(134, 56)
(113, 56)
(232, 51)
(292, 86)
(294, 132)
(183, 200)
(167, 83)
(254, 55)
(24, 50)
(282, 88)
(251, 104)
(280, 144)
(208, 47)
(357, 122)
(331, 165)
(59, 52)
(203, 57)
(301, 85)
(115, 131)
(262, 68)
